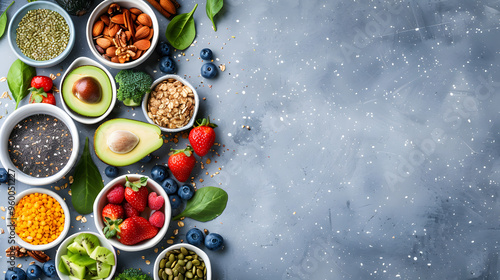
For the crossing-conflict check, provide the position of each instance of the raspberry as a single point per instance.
(157, 219)
(155, 202)
(116, 194)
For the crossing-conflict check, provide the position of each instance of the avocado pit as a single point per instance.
(87, 89)
(122, 141)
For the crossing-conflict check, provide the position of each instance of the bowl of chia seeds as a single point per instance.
(41, 34)
(39, 143)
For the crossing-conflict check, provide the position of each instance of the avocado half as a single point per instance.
(150, 140)
(81, 107)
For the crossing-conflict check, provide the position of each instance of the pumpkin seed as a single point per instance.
(181, 264)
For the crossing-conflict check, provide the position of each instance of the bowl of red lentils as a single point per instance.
(40, 219)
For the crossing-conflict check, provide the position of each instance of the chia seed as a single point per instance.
(40, 145)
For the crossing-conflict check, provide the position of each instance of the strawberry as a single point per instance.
(202, 136)
(130, 211)
(43, 82)
(136, 193)
(112, 214)
(155, 202)
(134, 230)
(181, 163)
(39, 96)
(116, 194)
(157, 219)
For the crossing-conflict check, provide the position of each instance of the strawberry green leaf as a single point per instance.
(136, 185)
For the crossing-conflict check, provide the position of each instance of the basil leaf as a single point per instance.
(3, 20)
(207, 204)
(19, 79)
(87, 183)
(213, 7)
(182, 30)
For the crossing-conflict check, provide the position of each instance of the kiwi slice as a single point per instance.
(76, 248)
(62, 267)
(88, 241)
(74, 270)
(104, 255)
(103, 270)
(83, 260)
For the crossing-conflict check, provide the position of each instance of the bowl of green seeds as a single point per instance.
(41, 34)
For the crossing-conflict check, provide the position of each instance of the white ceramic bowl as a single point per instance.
(197, 250)
(196, 103)
(101, 201)
(81, 61)
(103, 8)
(18, 115)
(14, 23)
(63, 250)
(67, 220)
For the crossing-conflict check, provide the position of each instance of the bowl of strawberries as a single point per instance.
(133, 212)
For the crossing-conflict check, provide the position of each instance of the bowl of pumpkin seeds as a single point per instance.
(182, 261)
(41, 34)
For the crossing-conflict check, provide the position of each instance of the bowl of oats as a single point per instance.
(41, 34)
(172, 104)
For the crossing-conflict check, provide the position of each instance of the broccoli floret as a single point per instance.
(132, 86)
(133, 274)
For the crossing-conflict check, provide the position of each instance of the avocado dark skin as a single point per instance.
(87, 89)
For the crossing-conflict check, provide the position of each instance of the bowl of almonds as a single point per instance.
(172, 104)
(122, 33)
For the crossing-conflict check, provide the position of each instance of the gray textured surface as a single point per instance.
(373, 146)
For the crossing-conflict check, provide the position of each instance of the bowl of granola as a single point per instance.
(172, 104)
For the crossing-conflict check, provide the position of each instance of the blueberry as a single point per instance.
(159, 173)
(170, 186)
(206, 54)
(49, 268)
(195, 237)
(208, 70)
(111, 171)
(34, 271)
(186, 192)
(167, 65)
(146, 159)
(4, 175)
(175, 201)
(15, 274)
(163, 48)
(214, 241)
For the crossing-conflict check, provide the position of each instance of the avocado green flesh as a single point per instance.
(81, 107)
(149, 135)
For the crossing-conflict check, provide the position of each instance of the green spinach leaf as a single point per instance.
(182, 30)
(19, 79)
(213, 7)
(207, 204)
(87, 183)
(3, 20)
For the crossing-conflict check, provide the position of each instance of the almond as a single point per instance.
(129, 35)
(142, 44)
(144, 19)
(142, 33)
(137, 54)
(105, 19)
(151, 33)
(103, 43)
(134, 16)
(118, 19)
(98, 28)
(105, 32)
(135, 11)
(168, 6)
(115, 59)
(113, 30)
(111, 51)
